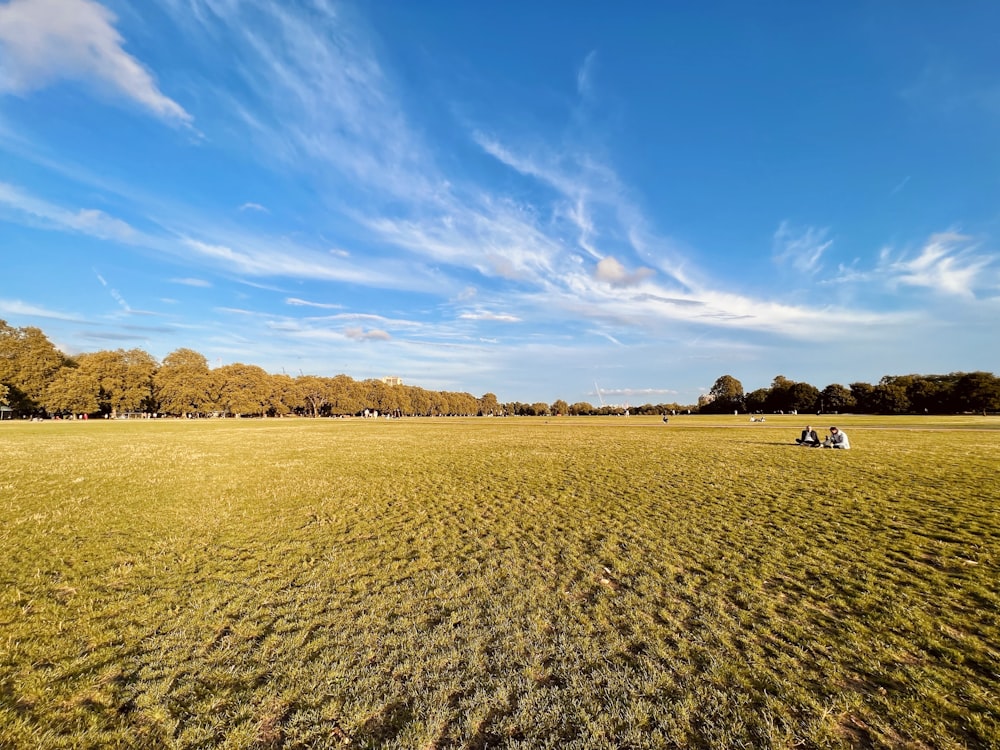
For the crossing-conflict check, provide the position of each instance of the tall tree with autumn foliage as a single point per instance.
(28, 364)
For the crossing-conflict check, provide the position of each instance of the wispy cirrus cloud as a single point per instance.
(257, 255)
(217, 246)
(488, 315)
(588, 194)
(943, 87)
(315, 96)
(45, 41)
(948, 263)
(33, 211)
(584, 75)
(254, 207)
(296, 302)
(191, 281)
(498, 238)
(19, 308)
(606, 291)
(636, 391)
(115, 294)
(800, 247)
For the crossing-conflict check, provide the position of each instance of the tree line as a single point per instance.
(36, 379)
(953, 393)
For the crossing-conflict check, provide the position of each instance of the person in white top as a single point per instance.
(837, 439)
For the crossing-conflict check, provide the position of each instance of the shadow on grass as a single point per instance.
(386, 723)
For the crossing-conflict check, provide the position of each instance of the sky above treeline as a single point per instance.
(576, 200)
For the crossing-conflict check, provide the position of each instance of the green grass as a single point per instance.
(536, 583)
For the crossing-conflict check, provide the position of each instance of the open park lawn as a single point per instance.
(499, 583)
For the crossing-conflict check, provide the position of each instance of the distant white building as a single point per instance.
(392, 380)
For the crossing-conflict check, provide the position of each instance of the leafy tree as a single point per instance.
(581, 408)
(890, 396)
(559, 408)
(803, 397)
(978, 391)
(488, 404)
(314, 391)
(461, 404)
(756, 400)
(388, 398)
(73, 390)
(420, 400)
(726, 394)
(930, 393)
(286, 396)
(28, 364)
(125, 379)
(864, 397)
(183, 383)
(243, 389)
(836, 398)
(779, 397)
(403, 401)
(345, 396)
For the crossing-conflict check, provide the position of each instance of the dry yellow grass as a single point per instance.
(498, 583)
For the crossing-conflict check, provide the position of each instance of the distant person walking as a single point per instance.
(837, 439)
(809, 438)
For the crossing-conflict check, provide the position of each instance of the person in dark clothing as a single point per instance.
(809, 438)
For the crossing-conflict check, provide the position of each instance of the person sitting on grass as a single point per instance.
(837, 439)
(809, 438)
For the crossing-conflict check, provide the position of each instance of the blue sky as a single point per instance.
(533, 199)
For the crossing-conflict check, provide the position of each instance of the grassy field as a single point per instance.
(535, 583)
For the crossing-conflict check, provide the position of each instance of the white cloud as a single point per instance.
(591, 197)
(584, 85)
(487, 315)
(609, 337)
(17, 307)
(494, 237)
(636, 391)
(296, 302)
(254, 207)
(99, 224)
(611, 271)
(44, 41)
(266, 257)
(537, 168)
(115, 294)
(241, 253)
(87, 221)
(801, 248)
(900, 185)
(947, 263)
(373, 334)
(316, 96)
(192, 282)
